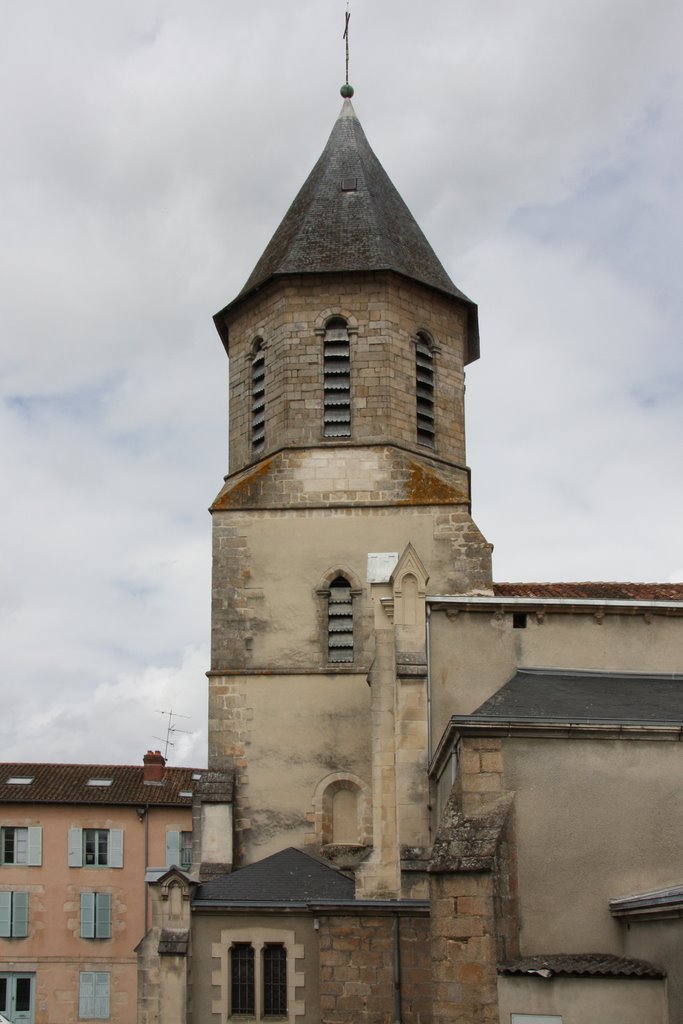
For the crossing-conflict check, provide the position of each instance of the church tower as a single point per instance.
(347, 501)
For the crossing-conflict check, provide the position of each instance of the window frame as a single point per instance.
(94, 1005)
(14, 907)
(33, 848)
(96, 915)
(179, 848)
(274, 980)
(425, 390)
(336, 364)
(336, 617)
(242, 995)
(257, 391)
(77, 838)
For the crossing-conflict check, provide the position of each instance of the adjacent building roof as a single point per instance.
(348, 216)
(590, 591)
(656, 904)
(568, 696)
(94, 784)
(284, 878)
(582, 964)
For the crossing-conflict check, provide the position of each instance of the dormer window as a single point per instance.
(258, 397)
(424, 389)
(337, 379)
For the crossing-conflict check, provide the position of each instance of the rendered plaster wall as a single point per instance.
(54, 949)
(475, 653)
(660, 942)
(213, 934)
(595, 819)
(269, 565)
(579, 1000)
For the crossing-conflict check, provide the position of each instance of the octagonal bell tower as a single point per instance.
(347, 349)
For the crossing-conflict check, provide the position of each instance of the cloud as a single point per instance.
(149, 152)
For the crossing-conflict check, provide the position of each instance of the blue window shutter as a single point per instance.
(87, 915)
(35, 846)
(75, 847)
(101, 995)
(172, 848)
(86, 994)
(103, 915)
(20, 915)
(115, 848)
(5, 914)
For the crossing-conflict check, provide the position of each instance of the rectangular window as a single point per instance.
(179, 849)
(13, 915)
(274, 981)
(96, 847)
(21, 845)
(242, 979)
(95, 915)
(93, 995)
(424, 390)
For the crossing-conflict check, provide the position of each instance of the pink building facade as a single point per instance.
(77, 843)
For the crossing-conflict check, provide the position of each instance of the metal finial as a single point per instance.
(346, 89)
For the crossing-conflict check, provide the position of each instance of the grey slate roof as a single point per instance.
(348, 216)
(286, 877)
(582, 964)
(546, 695)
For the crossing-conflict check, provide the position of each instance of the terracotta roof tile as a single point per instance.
(606, 591)
(68, 784)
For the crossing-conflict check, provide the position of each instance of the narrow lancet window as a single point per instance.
(258, 398)
(242, 979)
(424, 390)
(274, 981)
(340, 621)
(337, 379)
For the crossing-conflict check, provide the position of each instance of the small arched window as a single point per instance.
(340, 621)
(258, 397)
(337, 379)
(424, 389)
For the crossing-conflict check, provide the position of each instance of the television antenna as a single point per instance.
(171, 729)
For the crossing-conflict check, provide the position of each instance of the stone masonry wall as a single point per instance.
(384, 312)
(357, 969)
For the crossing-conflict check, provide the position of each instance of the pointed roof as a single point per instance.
(348, 216)
(289, 876)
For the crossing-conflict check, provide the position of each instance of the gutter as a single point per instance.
(482, 603)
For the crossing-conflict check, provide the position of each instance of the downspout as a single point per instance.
(428, 614)
(145, 894)
(397, 969)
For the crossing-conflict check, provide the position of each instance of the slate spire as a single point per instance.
(349, 217)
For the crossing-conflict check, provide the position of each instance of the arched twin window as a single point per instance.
(424, 389)
(258, 397)
(251, 980)
(337, 379)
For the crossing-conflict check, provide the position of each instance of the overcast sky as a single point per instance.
(147, 153)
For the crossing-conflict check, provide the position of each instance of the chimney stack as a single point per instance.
(154, 763)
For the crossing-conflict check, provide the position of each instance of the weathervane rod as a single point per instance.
(346, 37)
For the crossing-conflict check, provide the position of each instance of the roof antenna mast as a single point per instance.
(346, 89)
(171, 730)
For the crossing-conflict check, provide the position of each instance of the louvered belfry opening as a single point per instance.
(337, 379)
(258, 399)
(424, 390)
(340, 621)
(274, 980)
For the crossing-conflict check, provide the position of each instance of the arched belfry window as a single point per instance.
(337, 379)
(258, 397)
(340, 621)
(424, 389)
